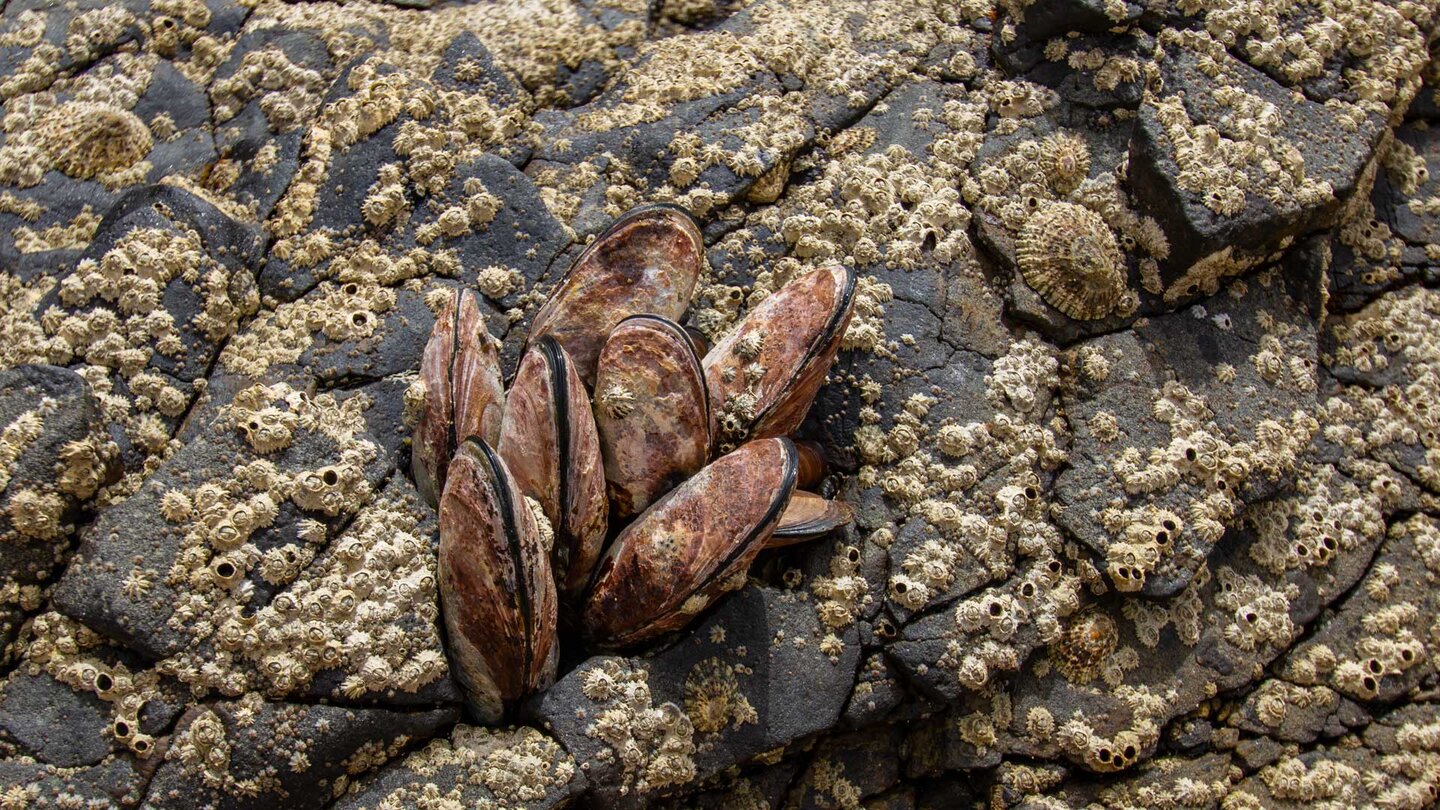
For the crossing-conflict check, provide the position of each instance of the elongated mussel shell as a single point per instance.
(691, 546)
(464, 395)
(647, 262)
(497, 592)
(807, 517)
(764, 375)
(652, 411)
(548, 441)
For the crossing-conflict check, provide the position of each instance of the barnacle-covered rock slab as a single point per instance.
(757, 675)
(474, 766)
(225, 520)
(54, 454)
(248, 753)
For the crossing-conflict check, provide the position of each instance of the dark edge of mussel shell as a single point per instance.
(503, 484)
(553, 354)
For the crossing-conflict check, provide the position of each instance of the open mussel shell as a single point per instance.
(548, 441)
(647, 262)
(764, 374)
(497, 593)
(652, 411)
(464, 395)
(807, 517)
(691, 546)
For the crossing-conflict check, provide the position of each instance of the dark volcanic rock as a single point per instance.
(57, 453)
(472, 768)
(252, 754)
(1243, 212)
(751, 678)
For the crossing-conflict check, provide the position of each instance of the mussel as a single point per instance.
(646, 263)
(548, 441)
(807, 517)
(497, 592)
(691, 546)
(464, 395)
(763, 376)
(684, 456)
(652, 410)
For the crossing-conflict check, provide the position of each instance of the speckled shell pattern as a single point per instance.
(549, 442)
(777, 358)
(652, 411)
(647, 262)
(464, 394)
(691, 546)
(497, 590)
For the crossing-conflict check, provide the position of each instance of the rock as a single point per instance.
(56, 453)
(1206, 406)
(53, 723)
(249, 753)
(846, 769)
(475, 766)
(115, 783)
(304, 466)
(1222, 218)
(753, 677)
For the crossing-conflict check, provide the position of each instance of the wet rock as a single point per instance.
(249, 753)
(755, 676)
(473, 767)
(56, 454)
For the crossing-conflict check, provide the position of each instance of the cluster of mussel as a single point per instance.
(533, 482)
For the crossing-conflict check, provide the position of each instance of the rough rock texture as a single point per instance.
(1136, 413)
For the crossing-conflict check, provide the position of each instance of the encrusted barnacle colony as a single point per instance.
(532, 481)
(1070, 257)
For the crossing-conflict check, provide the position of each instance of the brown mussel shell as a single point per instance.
(647, 262)
(807, 517)
(464, 395)
(652, 410)
(497, 592)
(764, 375)
(549, 443)
(691, 546)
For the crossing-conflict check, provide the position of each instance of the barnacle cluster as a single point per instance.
(1133, 461)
